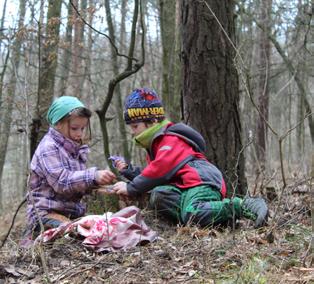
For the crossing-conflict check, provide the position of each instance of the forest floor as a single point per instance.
(276, 253)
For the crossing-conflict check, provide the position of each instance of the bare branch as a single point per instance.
(101, 33)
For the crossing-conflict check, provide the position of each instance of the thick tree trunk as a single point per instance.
(46, 73)
(210, 85)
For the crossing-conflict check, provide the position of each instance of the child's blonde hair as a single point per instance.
(79, 112)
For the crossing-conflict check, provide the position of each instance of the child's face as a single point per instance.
(74, 128)
(137, 128)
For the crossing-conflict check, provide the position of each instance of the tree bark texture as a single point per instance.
(210, 85)
(47, 73)
(66, 54)
(4, 9)
(77, 49)
(119, 102)
(88, 96)
(300, 45)
(6, 116)
(170, 94)
(263, 65)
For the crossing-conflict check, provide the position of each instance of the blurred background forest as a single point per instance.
(100, 50)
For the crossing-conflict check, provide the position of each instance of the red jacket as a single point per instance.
(175, 158)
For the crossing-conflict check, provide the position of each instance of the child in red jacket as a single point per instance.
(184, 185)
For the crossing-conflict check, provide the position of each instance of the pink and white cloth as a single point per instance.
(108, 232)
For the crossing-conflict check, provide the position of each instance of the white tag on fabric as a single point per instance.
(165, 148)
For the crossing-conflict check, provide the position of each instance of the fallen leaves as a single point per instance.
(180, 255)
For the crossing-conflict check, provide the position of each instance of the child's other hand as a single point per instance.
(118, 162)
(105, 177)
(120, 165)
(120, 188)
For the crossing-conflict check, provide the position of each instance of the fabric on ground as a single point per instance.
(109, 232)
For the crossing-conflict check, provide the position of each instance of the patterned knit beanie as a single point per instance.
(143, 105)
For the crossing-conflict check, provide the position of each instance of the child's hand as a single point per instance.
(105, 177)
(120, 165)
(107, 189)
(120, 188)
(118, 162)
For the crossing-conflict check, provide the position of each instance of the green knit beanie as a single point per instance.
(61, 107)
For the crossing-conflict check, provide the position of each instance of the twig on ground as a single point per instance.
(12, 223)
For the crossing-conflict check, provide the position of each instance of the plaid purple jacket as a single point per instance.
(58, 178)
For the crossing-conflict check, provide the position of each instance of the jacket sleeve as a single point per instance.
(171, 154)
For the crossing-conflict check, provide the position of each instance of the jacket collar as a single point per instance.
(146, 137)
(69, 145)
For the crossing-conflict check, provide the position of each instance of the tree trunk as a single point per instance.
(302, 66)
(309, 56)
(77, 49)
(170, 94)
(66, 54)
(210, 85)
(7, 54)
(4, 9)
(133, 65)
(115, 65)
(7, 106)
(4, 68)
(119, 102)
(89, 95)
(312, 205)
(47, 73)
(152, 61)
(293, 72)
(263, 65)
